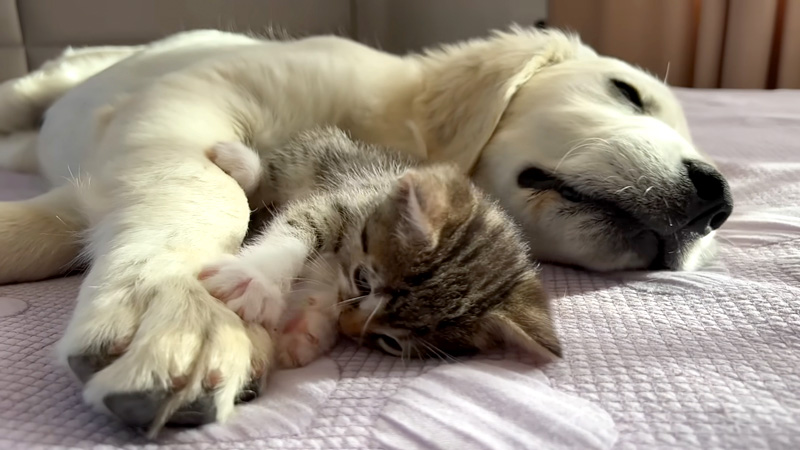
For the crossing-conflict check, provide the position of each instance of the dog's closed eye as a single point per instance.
(539, 180)
(629, 92)
(533, 178)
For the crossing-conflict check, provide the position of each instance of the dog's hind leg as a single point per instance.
(40, 237)
(23, 100)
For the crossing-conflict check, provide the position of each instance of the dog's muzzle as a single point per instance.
(704, 209)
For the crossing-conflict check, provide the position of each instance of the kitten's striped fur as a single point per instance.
(442, 270)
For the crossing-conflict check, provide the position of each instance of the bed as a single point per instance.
(707, 359)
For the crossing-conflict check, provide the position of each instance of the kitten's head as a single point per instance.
(440, 269)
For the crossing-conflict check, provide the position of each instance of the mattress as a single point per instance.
(707, 359)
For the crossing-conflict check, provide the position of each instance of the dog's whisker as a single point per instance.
(726, 240)
(583, 144)
(623, 189)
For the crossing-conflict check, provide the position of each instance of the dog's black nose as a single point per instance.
(711, 203)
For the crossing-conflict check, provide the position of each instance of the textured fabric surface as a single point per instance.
(709, 359)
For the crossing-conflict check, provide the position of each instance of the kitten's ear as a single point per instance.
(422, 205)
(524, 320)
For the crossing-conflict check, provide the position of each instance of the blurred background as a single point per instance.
(704, 43)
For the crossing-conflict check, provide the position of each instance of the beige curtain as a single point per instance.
(752, 44)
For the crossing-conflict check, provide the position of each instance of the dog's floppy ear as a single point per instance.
(469, 85)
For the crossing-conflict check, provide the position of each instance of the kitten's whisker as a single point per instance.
(315, 265)
(320, 260)
(350, 300)
(432, 351)
(309, 280)
(449, 356)
(317, 269)
(428, 348)
(302, 289)
(309, 285)
(369, 319)
(416, 349)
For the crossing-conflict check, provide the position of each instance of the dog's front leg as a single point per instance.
(144, 330)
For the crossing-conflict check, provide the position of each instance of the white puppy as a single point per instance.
(591, 155)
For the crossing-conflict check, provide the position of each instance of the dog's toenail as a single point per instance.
(199, 412)
(250, 392)
(136, 409)
(247, 396)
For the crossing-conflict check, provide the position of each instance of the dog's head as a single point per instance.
(591, 155)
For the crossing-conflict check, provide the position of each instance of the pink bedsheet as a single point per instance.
(709, 359)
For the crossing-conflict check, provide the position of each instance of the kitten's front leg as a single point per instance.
(254, 283)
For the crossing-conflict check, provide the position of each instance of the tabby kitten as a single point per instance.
(412, 260)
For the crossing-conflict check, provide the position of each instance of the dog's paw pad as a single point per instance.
(84, 366)
(199, 412)
(136, 409)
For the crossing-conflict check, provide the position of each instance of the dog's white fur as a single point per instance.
(125, 152)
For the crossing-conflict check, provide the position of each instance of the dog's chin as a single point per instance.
(668, 255)
(686, 253)
(624, 249)
(673, 253)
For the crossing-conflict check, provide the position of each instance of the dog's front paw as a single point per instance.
(152, 345)
(252, 295)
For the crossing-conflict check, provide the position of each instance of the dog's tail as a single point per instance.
(41, 237)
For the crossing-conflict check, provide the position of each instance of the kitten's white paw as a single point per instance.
(305, 337)
(238, 161)
(254, 297)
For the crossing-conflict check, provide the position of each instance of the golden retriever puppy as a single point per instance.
(592, 156)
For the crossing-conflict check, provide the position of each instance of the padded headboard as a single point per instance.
(32, 31)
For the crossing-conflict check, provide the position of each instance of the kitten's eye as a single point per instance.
(629, 92)
(362, 283)
(389, 345)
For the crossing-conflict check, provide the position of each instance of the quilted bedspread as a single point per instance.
(707, 359)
